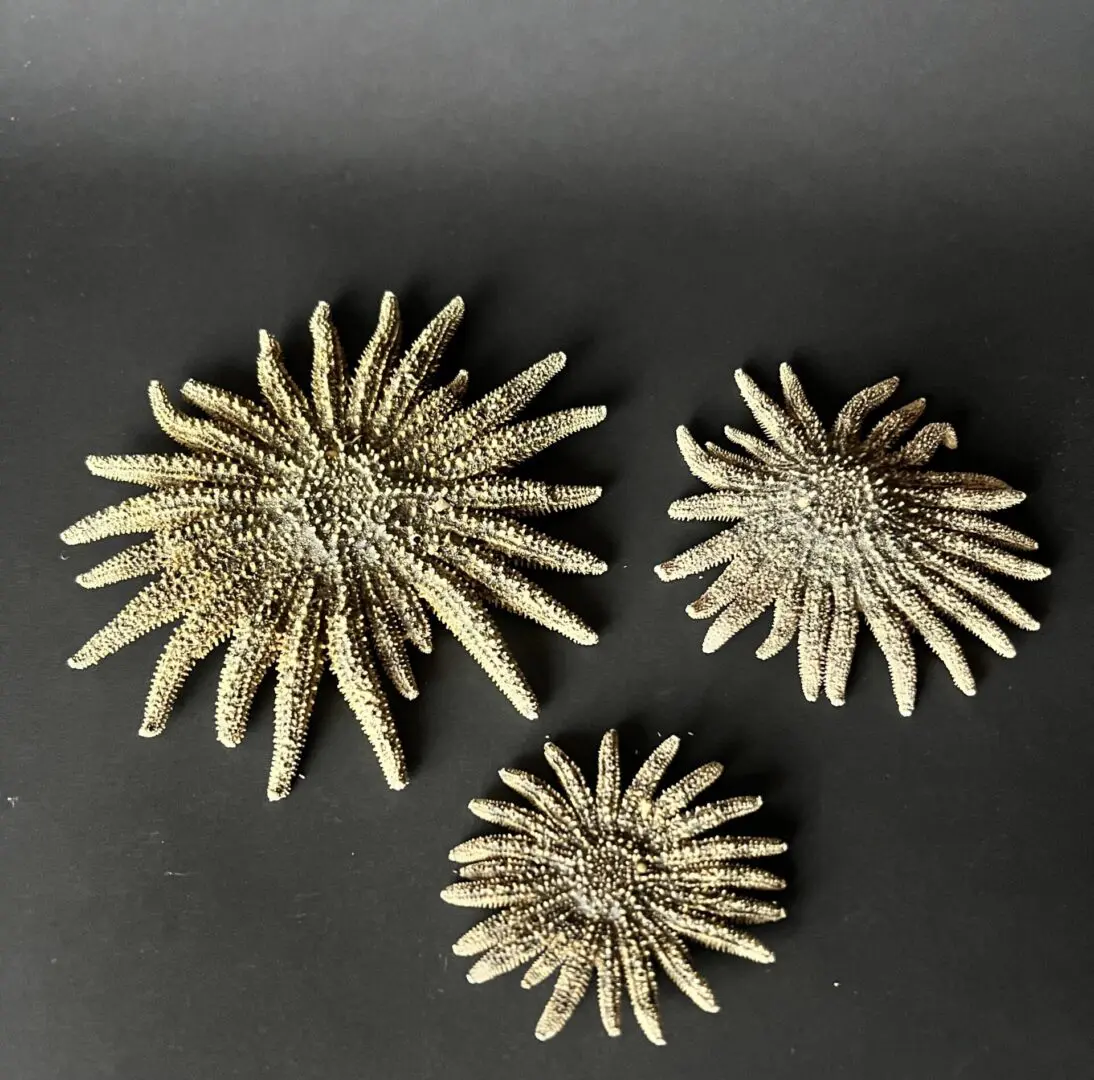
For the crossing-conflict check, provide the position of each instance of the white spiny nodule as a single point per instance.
(608, 881)
(315, 531)
(833, 524)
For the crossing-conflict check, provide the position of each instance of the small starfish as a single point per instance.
(831, 524)
(610, 882)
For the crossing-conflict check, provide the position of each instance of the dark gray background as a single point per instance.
(665, 191)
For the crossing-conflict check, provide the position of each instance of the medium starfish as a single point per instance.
(611, 881)
(831, 524)
(314, 532)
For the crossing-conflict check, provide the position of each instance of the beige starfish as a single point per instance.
(831, 524)
(610, 881)
(314, 532)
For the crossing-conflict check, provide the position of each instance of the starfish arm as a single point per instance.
(497, 407)
(251, 653)
(715, 506)
(637, 800)
(845, 430)
(502, 959)
(387, 638)
(511, 816)
(541, 969)
(702, 557)
(739, 613)
(978, 525)
(765, 453)
(607, 778)
(609, 990)
(540, 794)
(347, 647)
(739, 461)
(328, 373)
(773, 420)
(711, 850)
(841, 642)
(159, 602)
(373, 364)
(193, 640)
(280, 390)
(785, 621)
(503, 845)
(641, 989)
(673, 957)
(891, 632)
(676, 797)
(468, 619)
(893, 426)
(711, 882)
(422, 418)
(514, 592)
(573, 783)
(713, 932)
(407, 607)
(136, 561)
(738, 582)
(522, 496)
(726, 472)
(922, 446)
(989, 556)
(521, 541)
(570, 987)
(205, 435)
(956, 497)
(235, 411)
(743, 910)
(166, 470)
(153, 512)
(711, 815)
(503, 449)
(299, 664)
(798, 406)
(407, 376)
(487, 894)
(813, 634)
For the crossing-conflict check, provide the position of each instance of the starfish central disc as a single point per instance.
(346, 510)
(829, 505)
(606, 877)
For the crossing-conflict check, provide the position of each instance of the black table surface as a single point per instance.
(665, 192)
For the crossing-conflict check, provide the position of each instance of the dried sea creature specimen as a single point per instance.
(833, 524)
(611, 881)
(309, 532)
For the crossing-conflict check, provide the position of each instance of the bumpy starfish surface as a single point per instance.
(314, 532)
(610, 881)
(831, 524)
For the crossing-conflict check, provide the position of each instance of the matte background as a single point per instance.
(665, 191)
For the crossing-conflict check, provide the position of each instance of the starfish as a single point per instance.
(611, 881)
(315, 532)
(831, 524)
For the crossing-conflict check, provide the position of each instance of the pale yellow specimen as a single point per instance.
(609, 882)
(833, 524)
(320, 531)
